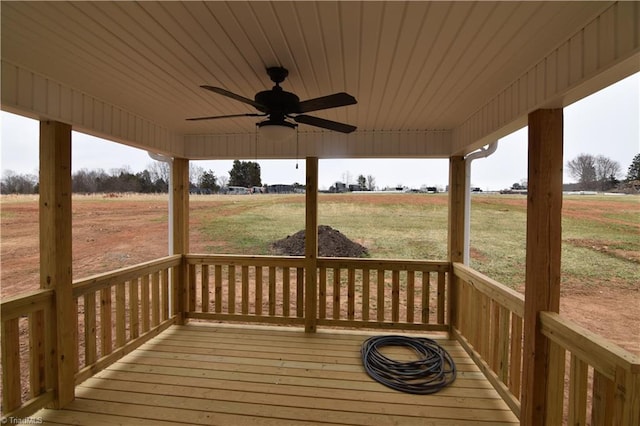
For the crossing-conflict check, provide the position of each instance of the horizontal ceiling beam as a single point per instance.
(359, 144)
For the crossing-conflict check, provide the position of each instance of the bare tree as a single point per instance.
(223, 181)
(159, 170)
(583, 169)
(607, 172)
(371, 183)
(195, 172)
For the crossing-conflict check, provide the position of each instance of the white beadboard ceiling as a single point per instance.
(412, 66)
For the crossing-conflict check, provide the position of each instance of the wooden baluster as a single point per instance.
(322, 294)
(231, 282)
(602, 401)
(411, 282)
(134, 322)
(351, 293)
(515, 364)
(37, 351)
(218, 288)
(258, 307)
(155, 299)
(463, 307)
(286, 290)
(204, 279)
(89, 328)
(502, 351)
(578, 392)
(245, 289)
(555, 384)
(272, 291)
(144, 302)
(626, 408)
(482, 331)
(191, 297)
(11, 387)
(165, 294)
(493, 349)
(300, 292)
(395, 295)
(366, 284)
(426, 293)
(441, 296)
(336, 293)
(106, 328)
(121, 337)
(380, 301)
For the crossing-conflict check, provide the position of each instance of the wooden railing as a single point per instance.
(614, 373)
(245, 288)
(351, 292)
(487, 319)
(26, 348)
(116, 312)
(374, 293)
(121, 310)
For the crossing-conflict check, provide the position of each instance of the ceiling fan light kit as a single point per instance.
(276, 131)
(279, 106)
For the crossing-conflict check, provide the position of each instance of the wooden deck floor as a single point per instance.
(248, 375)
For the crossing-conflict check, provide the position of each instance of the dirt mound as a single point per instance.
(331, 243)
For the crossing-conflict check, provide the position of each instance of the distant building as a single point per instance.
(236, 190)
(338, 187)
(281, 189)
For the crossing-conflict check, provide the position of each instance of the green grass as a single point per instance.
(600, 247)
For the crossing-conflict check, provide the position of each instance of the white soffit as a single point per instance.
(431, 78)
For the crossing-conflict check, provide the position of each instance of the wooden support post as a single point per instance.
(311, 246)
(544, 241)
(457, 179)
(180, 188)
(56, 254)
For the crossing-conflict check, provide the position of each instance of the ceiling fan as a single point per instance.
(280, 106)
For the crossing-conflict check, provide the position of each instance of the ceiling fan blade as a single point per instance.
(325, 102)
(215, 117)
(325, 124)
(232, 95)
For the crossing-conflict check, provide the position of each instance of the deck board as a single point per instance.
(236, 375)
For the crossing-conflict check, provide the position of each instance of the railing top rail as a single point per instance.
(252, 260)
(96, 282)
(14, 306)
(509, 298)
(373, 263)
(603, 355)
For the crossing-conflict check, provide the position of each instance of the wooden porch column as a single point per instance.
(56, 254)
(180, 188)
(544, 240)
(311, 246)
(457, 179)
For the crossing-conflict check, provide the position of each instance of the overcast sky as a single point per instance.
(606, 123)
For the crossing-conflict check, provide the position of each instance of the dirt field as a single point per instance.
(110, 233)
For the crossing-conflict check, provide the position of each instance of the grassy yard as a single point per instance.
(601, 234)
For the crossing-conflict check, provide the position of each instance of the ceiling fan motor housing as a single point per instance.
(278, 101)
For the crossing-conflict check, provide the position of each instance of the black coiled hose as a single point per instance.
(433, 371)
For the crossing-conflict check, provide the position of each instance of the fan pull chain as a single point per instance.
(297, 147)
(256, 143)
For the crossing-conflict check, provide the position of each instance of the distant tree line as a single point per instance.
(154, 179)
(595, 172)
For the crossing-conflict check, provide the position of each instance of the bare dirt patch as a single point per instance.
(331, 243)
(607, 247)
